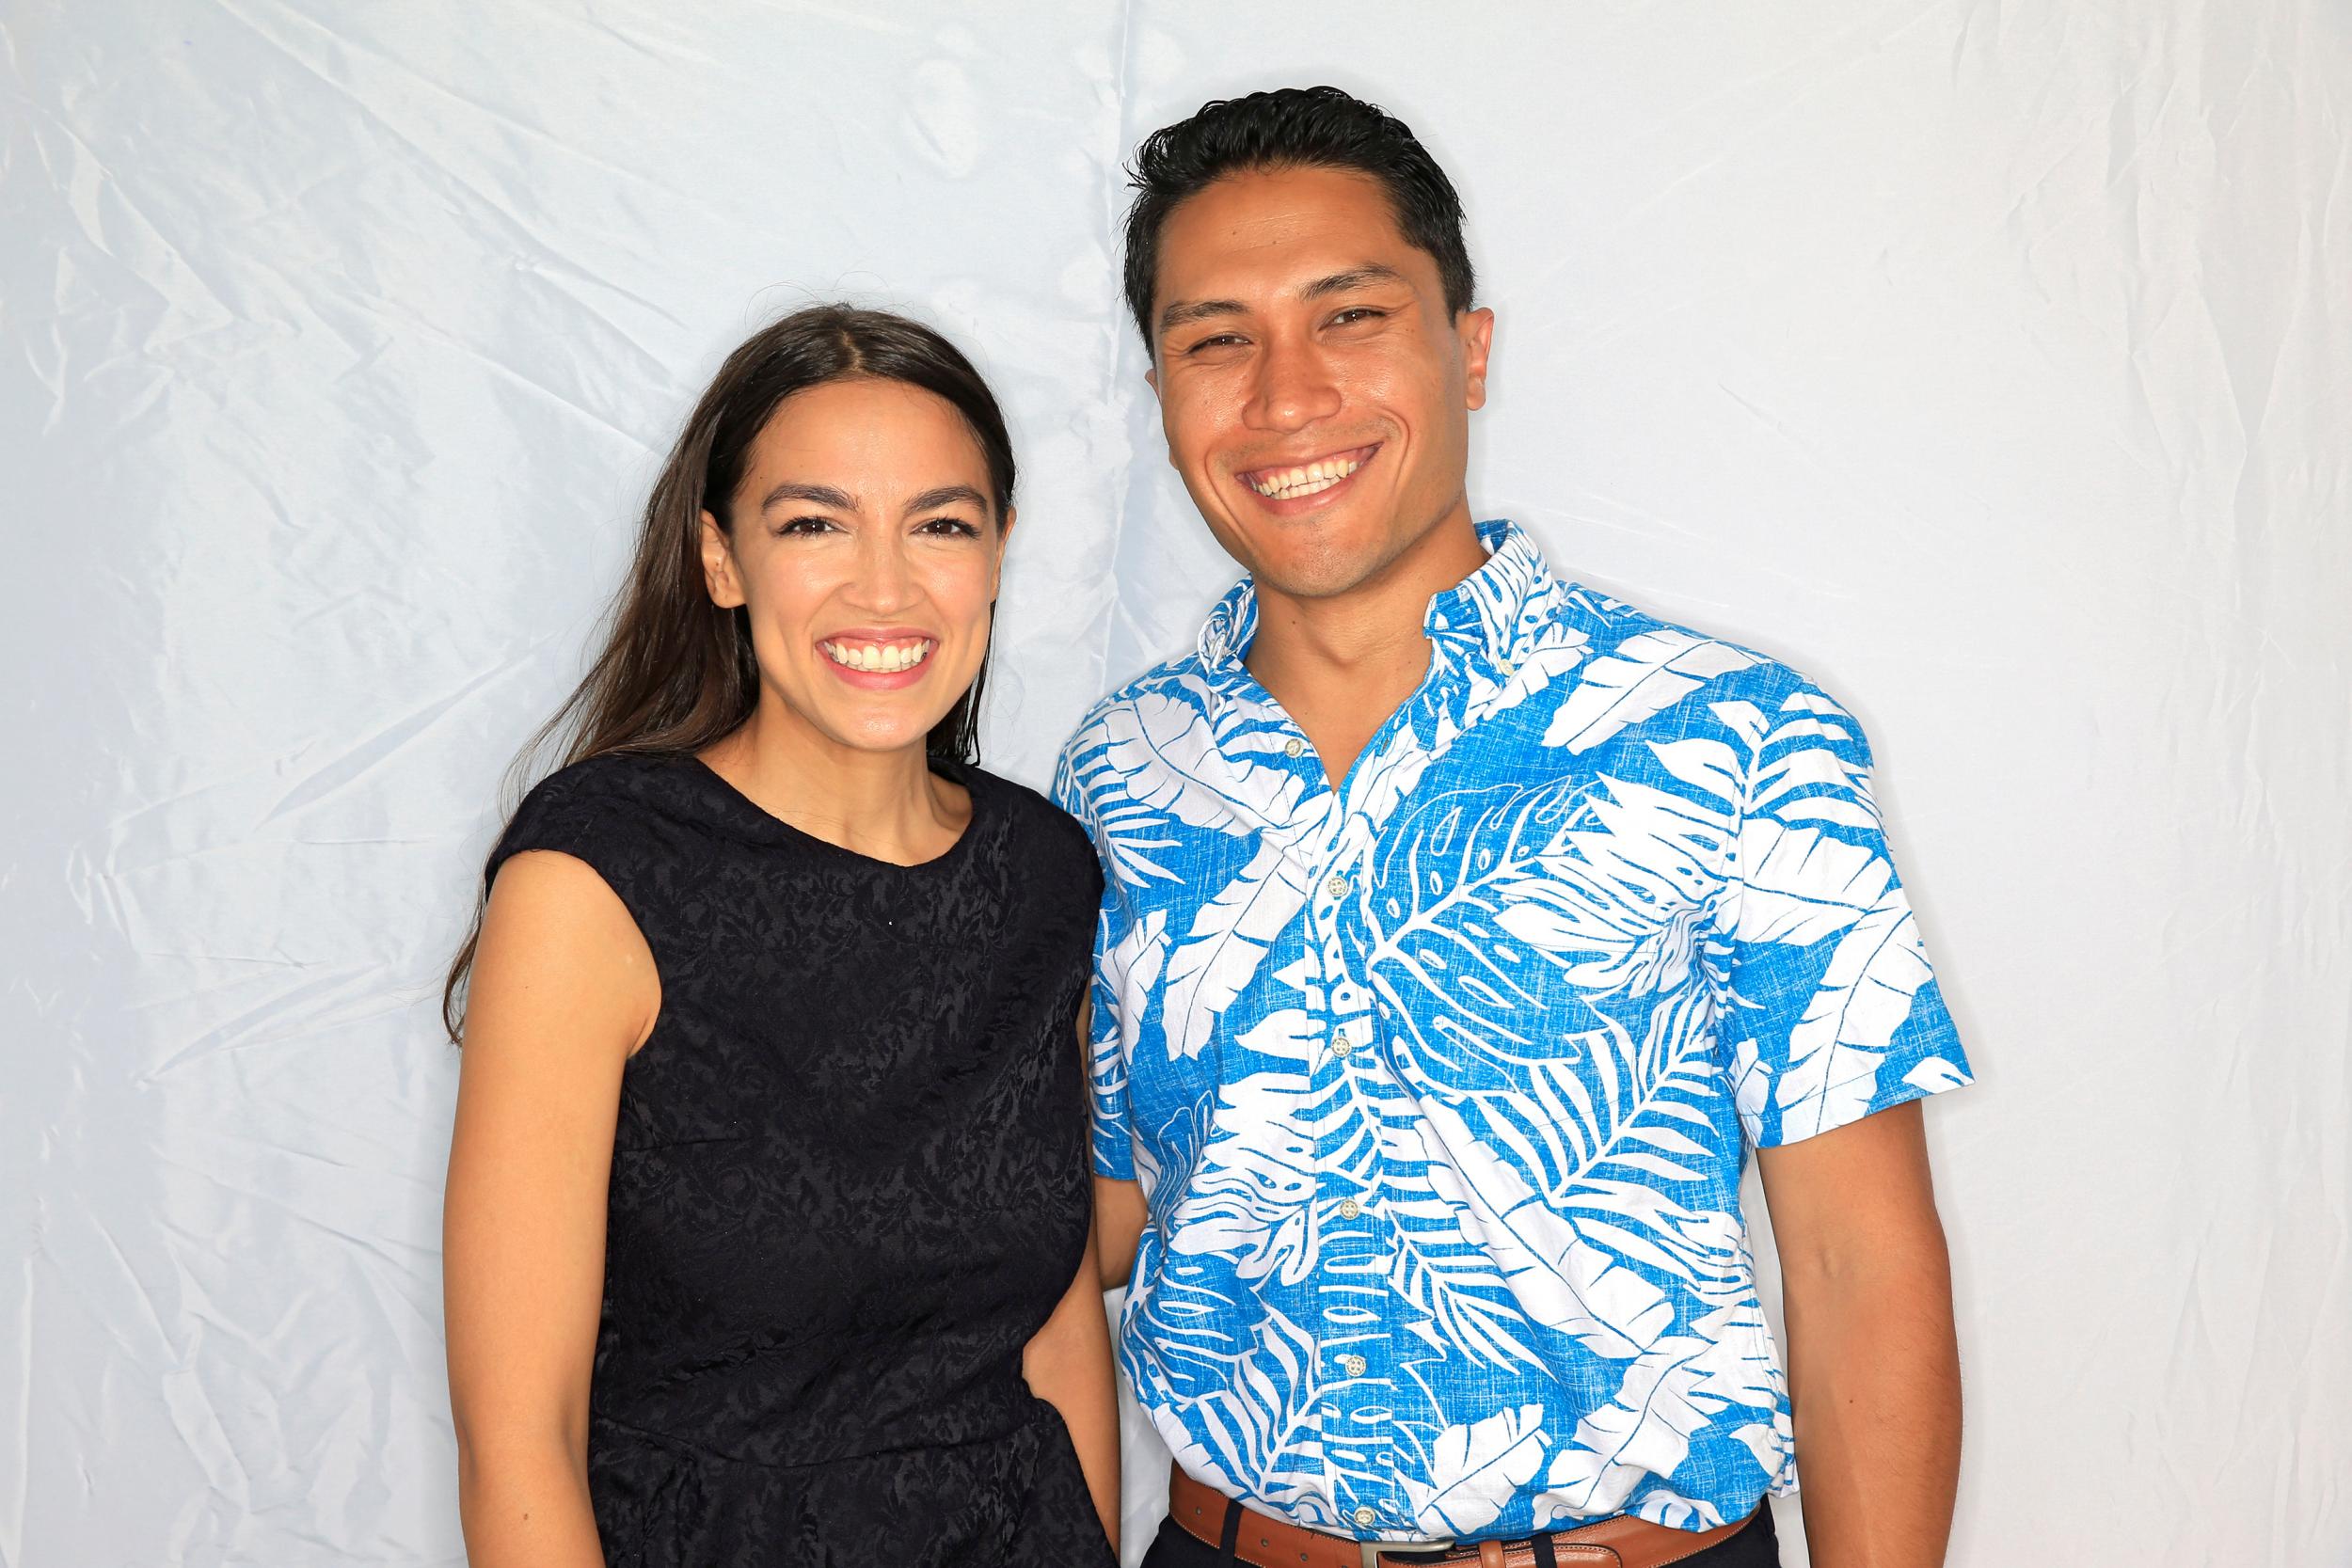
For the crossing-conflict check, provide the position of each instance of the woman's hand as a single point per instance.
(1068, 1366)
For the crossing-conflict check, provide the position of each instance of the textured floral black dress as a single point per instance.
(850, 1181)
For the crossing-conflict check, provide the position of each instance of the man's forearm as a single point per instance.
(1874, 1379)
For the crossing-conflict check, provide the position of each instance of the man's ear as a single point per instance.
(1151, 379)
(1478, 339)
(719, 577)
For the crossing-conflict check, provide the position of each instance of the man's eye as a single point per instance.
(1355, 313)
(1222, 340)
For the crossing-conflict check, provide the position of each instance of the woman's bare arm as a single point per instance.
(1068, 1366)
(564, 990)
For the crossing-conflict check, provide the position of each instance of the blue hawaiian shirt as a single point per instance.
(1440, 1084)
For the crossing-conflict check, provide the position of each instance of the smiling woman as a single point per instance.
(768, 1226)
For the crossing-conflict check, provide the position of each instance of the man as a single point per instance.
(1463, 928)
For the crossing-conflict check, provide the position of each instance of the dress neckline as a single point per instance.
(765, 824)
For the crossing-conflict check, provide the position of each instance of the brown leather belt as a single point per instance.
(1264, 1542)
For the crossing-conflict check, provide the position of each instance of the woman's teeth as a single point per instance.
(880, 658)
(1283, 485)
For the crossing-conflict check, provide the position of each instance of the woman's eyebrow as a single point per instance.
(947, 494)
(823, 495)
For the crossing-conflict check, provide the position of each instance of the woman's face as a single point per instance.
(866, 550)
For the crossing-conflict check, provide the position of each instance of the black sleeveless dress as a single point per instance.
(850, 1181)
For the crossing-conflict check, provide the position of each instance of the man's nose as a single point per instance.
(1293, 387)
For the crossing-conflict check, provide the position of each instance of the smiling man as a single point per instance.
(1463, 928)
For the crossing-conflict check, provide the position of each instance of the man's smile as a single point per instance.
(1314, 477)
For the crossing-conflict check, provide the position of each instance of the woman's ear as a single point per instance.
(718, 574)
(1004, 534)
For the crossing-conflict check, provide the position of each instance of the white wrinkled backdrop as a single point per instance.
(1992, 362)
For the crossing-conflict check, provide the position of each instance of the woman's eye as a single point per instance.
(953, 527)
(806, 525)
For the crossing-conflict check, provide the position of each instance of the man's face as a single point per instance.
(1314, 390)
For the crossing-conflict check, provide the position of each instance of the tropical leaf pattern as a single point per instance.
(1440, 1082)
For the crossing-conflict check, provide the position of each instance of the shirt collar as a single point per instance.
(1496, 611)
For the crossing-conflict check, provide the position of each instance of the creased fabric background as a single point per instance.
(1989, 363)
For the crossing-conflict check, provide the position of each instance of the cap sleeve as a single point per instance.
(583, 811)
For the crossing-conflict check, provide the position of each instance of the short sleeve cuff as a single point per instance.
(1924, 1058)
(1113, 1153)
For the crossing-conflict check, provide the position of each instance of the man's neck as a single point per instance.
(1340, 665)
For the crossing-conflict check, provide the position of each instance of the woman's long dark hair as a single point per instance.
(677, 673)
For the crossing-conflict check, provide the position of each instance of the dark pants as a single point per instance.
(1755, 1547)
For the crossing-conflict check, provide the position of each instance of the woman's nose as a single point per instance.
(885, 575)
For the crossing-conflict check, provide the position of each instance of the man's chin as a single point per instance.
(1318, 575)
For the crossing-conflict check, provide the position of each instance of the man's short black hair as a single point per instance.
(1291, 128)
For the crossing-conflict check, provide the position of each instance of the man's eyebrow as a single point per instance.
(823, 495)
(1184, 310)
(947, 494)
(1353, 277)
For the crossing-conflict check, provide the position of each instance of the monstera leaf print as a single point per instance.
(1439, 948)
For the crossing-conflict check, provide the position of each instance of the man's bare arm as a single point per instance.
(1873, 1361)
(1119, 1216)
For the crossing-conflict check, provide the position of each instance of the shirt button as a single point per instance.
(1342, 1046)
(1337, 887)
(1506, 666)
(1350, 1208)
(1352, 1365)
(1293, 747)
(1364, 1516)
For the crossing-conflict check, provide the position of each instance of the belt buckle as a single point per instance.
(1426, 1551)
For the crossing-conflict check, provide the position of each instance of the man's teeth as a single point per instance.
(881, 657)
(1283, 485)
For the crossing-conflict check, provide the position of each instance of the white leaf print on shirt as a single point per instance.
(1227, 943)
(1474, 1469)
(1561, 1281)
(1647, 674)
(1248, 1202)
(1646, 1431)
(1799, 885)
(1563, 969)
(1161, 756)
(1255, 1434)
(1835, 1050)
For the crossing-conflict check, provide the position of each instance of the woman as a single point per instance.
(767, 1234)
